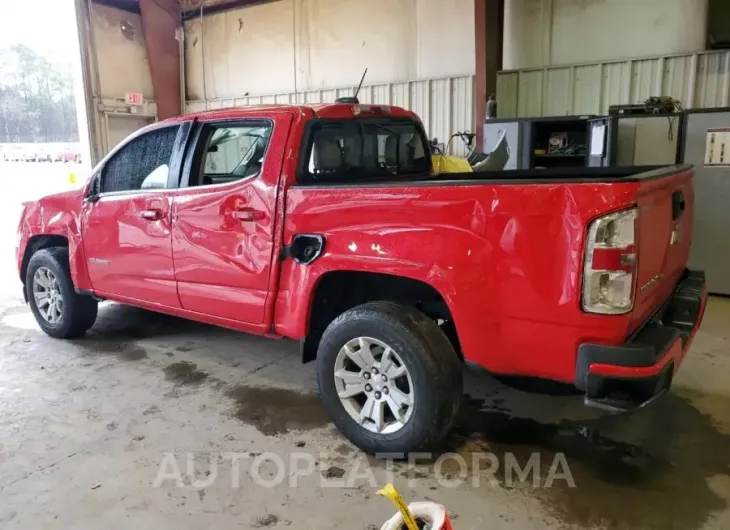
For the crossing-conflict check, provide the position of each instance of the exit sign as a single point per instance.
(133, 98)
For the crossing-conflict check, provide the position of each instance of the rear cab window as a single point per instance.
(362, 149)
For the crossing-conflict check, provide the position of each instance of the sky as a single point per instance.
(46, 26)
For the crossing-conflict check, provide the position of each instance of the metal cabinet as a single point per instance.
(706, 145)
(634, 140)
(528, 139)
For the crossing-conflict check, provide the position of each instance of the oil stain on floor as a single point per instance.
(651, 474)
(276, 411)
(656, 478)
(184, 373)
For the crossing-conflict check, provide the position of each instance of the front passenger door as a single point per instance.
(126, 219)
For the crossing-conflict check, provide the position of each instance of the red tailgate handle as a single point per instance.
(152, 215)
(247, 214)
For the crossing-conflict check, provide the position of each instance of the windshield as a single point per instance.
(352, 150)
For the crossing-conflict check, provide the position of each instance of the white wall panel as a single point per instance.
(120, 59)
(246, 50)
(419, 55)
(445, 38)
(585, 30)
(338, 39)
(445, 105)
(554, 32)
(696, 80)
(305, 45)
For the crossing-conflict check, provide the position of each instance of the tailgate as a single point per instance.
(666, 207)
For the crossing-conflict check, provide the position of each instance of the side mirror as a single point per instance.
(94, 187)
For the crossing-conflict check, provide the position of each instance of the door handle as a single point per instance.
(247, 214)
(151, 215)
(678, 204)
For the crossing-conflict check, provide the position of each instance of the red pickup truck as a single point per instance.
(326, 224)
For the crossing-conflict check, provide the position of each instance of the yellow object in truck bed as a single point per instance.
(450, 164)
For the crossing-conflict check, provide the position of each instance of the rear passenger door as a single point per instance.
(224, 216)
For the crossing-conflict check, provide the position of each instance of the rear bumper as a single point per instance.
(620, 378)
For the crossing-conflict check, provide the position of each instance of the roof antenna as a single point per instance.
(353, 99)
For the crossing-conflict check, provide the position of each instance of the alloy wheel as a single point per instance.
(47, 295)
(374, 385)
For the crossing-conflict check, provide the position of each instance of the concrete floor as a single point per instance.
(93, 432)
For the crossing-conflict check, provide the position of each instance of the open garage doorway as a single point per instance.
(43, 150)
(39, 66)
(74, 82)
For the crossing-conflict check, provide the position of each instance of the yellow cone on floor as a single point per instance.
(72, 178)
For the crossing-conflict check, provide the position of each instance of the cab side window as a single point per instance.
(231, 152)
(143, 163)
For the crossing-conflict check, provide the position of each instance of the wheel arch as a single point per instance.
(40, 242)
(337, 291)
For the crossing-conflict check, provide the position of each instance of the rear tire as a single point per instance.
(416, 348)
(60, 311)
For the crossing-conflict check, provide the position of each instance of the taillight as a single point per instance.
(608, 277)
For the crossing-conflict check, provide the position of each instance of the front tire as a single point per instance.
(389, 378)
(60, 311)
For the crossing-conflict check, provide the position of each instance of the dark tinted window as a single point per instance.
(351, 150)
(146, 156)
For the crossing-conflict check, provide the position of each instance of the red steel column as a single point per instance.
(160, 20)
(489, 28)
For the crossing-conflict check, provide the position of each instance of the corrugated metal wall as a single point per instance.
(445, 105)
(697, 80)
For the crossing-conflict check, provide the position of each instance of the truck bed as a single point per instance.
(506, 249)
(523, 176)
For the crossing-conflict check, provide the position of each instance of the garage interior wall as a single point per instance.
(554, 32)
(117, 64)
(419, 54)
(698, 80)
(566, 57)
